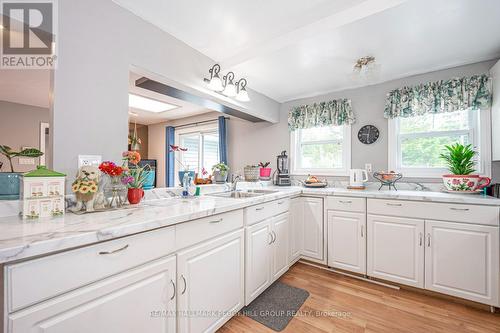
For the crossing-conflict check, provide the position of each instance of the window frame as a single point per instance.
(346, 156)
(200, 130)
(479, 136)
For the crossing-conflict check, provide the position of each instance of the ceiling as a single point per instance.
(288, 49)
(185, 109)
(30, 87)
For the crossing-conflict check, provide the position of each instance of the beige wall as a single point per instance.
(20, 127)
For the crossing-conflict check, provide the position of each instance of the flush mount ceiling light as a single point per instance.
(148, 104)
(228, 86)
(366, 67)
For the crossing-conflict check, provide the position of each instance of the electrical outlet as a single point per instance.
(368, 167)
(84, 160)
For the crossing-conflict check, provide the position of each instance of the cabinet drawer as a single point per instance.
(36, 280)
(346, 204)
(193, 232)
(266, 210)
(486, 215)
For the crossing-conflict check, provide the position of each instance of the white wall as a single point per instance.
(252, 143)
(99, 42)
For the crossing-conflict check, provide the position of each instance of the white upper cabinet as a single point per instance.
(495, 112)
(139, 300)
(347, 241)
(313, 229)
(396, 250)
(462, 260)
(210, 283)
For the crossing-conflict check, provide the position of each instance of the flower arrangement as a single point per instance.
(133, 140)
(134, 176)
(174, 148)
(84, 186)
(111, 169)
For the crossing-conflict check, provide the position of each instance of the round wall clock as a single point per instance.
(368, 134)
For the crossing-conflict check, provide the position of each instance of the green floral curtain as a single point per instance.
(336, 112)
(439, 97)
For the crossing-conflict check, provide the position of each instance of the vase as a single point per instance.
(219, 177)
(265, 173)
(115, 192)
(465, 183)
(9, 185)
(135, 195)
(149, 179)
(181, 175)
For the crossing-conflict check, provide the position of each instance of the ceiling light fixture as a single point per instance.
(148, 104)
(366, 67)
(228, 86)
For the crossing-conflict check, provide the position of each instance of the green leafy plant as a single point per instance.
(221, 167)
(459, 158)
(264, 164)
(10, 154)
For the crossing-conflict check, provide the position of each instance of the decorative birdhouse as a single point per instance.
(42, 193)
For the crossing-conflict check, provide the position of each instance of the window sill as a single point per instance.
(340, 173)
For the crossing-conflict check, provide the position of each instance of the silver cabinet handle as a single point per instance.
(185, 284)
(394, 204)
(345, 201)
(280, 202)
(419, 239)
(460, 209)
(274, 236)
(272, 239)
(428, 240)
(217, 221)
(362, 231)
(114, 251)
(261, 208)
(173, 285)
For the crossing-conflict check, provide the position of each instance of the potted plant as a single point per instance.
(185, 168)
(134, 176)
(265, 172)
(460, 160)
(9, 181)
(220, 171)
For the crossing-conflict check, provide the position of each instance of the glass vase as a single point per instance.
(115, 192)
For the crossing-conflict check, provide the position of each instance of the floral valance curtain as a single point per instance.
(336, 112)
(439, 97)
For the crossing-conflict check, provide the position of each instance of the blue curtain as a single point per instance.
(169, 157)
(222, 139)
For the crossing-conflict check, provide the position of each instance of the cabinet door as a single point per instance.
(396, 250)
(279, 229)
(347, 241)
(296, 236)
(210, 283)
(462, 260)
(313, 228)
(258, 259)
(139, 300)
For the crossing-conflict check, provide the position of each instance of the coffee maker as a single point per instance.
(283, 176)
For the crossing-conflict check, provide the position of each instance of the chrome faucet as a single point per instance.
(236, 179)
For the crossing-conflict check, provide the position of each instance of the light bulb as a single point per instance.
(215, 84)
(243, 96)
(230, 90)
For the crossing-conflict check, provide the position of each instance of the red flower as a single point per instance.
(455, 181)
(470, 184)
(177, 148)
(110, 168)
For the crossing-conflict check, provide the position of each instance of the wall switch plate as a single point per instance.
(84, 160)
(368, 167)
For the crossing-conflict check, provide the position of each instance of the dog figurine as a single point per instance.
(86, 189)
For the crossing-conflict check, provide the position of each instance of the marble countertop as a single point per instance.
(26, 239)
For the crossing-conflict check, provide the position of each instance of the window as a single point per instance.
(202, 148)
(321, 150)
(415, 143)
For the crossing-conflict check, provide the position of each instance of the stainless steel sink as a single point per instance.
(235, 195)
(263, 191)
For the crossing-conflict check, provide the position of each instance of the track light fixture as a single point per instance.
(227, 86)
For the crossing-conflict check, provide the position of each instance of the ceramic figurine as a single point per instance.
(86, 189)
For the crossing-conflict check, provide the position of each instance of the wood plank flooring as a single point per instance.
(342, 304)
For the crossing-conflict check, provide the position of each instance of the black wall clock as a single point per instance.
(368, 134)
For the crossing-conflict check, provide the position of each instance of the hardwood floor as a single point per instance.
(353, 305)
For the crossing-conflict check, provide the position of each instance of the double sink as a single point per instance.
(242, 194)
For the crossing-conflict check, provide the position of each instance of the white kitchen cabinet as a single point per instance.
(395, 249)
(462, 260)
(258, 261)
(280, 231)
(296, 229)
(138, 300)
(210, 283)
(312, 228)
(347, 241)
